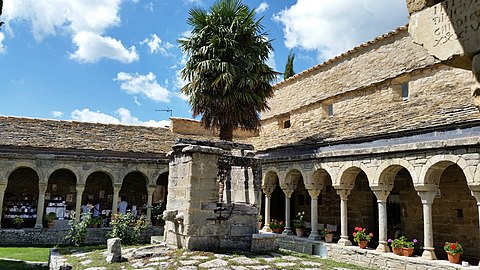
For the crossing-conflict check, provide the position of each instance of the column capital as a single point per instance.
(268, 189)
(288, 192)
(343, 193)
(42, 187)
(314, 193)
(381, 194)
(80, 188)
(150, 190)
(117, 187)
(427, 197)
(476, 194)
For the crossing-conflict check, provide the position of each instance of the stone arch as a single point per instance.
(106, 171)
(266, 180)
(63, 167)
(317, 180)
(319, 170)
(348, 173)
(157, 175)
(134, 192)
(292, 176)
(434, 167)
(386, 172)
(23, 164)
(145, 176)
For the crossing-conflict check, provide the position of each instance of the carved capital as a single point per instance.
(268, 190)
(427, 197)
(150, 190)
(343, 193)
(288, 192)
(314, 192)
(381, 194)
(80, 188)
(42, 187)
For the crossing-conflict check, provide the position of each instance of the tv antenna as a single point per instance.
(166, 110)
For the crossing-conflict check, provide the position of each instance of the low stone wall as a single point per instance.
(50, 237)
(362, 257)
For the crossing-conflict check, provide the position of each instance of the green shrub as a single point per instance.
(127, 228)
(78, 230)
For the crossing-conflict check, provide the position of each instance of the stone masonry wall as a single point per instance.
(438, 95)
(185, 126)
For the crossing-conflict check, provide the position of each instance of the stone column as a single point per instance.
(427, 196)
(343, 193)
(476, 194)
(42, 187)
(288, 226)
(78, 202)
(150, 191)
(116, 192)
(382, 195)
(314, 213)
(266, 223)
(3, 187)
(268, 190)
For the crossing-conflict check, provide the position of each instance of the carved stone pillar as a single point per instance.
(116, 192)
(343, 193)
(427, 196)
(476, 78)
(150, 191)
(268, 195)
(288, 226)
(42, 187)
(314, 213)
(382, 195)
(78, 202)
(3, 187)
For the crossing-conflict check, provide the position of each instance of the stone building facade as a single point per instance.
(383, 137)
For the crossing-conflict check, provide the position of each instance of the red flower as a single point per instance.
(354, 234)
(453, 246)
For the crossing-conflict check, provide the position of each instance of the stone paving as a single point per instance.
(161, 257)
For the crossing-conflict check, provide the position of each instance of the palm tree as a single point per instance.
(228, 80)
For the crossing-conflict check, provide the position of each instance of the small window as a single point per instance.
(286, 124)
(405, 91)
(330, 110)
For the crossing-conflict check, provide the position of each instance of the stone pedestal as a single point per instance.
(114, 250)
(203, 212)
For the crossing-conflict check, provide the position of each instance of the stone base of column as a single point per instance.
(383, 247)
(288, 231)
(266, 228)
(429, 253)
(344, 241)
(314, 236)
(38, 226)
(149, 223)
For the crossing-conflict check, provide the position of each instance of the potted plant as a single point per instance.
(276, 226)
(361, 237)
(454, 250)
(260, 220)
(17, 221)
(402, 247)
(328, 234)
(299, 224)
(50, 217)
(95, 222)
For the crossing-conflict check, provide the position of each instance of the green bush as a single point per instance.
(127, 228)
(78, 230)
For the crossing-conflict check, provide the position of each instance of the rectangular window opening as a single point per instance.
(286, 124)
(405, 91)
(330, 110)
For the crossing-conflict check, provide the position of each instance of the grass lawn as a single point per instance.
(9, 265)
(34, 254)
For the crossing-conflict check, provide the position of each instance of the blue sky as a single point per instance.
(117, 61)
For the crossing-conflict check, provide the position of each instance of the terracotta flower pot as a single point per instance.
(397, 251)
(329, 238)
(363, 244)
(299, 232)
(408, 252)
(454, 258)
(278, 230)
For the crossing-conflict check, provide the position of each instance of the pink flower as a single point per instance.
(354, 234)
(371, 234)
(390, 240)
(415, 241)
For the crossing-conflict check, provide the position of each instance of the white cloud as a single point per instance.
(93, 47)
(146, 85)
(262, 7)
(123, 116)
(57, 114)
(155, 44)
(137, 102)
(196, 2)
(3, 48)
(333, 27)
(149, 6)
(84, 20)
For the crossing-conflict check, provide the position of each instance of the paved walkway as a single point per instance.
(161, 257)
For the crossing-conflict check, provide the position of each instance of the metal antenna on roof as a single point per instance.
(166, 110)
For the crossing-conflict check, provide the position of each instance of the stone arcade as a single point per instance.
(383, 136)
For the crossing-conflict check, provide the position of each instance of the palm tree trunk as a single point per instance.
(226, 132)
